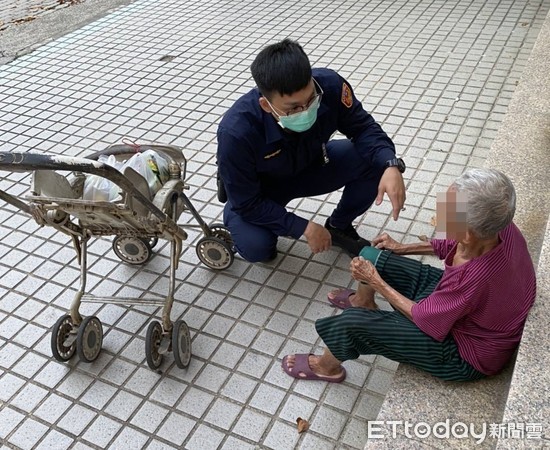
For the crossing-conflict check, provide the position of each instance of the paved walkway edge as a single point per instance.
(21, 39)
(526, 129)
(519, 394)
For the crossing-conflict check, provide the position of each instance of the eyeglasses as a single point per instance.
(316, 97)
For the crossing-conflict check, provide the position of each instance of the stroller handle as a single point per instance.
(29, 162)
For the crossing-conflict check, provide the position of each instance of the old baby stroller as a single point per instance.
(135, 218)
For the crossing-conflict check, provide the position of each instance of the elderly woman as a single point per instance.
(460, 323)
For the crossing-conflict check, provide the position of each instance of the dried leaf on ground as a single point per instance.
(303, 425)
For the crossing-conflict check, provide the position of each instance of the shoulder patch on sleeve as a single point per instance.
(347, 98)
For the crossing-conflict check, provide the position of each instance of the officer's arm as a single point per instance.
(359, 126)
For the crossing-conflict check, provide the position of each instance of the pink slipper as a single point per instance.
(342, 300)
(302, 371)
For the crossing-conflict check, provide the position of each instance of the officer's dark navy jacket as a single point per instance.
(253, 150)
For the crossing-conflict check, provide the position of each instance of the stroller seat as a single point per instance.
(141, 185)
(47, 183)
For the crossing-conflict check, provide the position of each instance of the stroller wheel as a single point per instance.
(220, 231)
(132, 250)
(62, 343)
(181, 344)
(89, 339)
(152, 345)
(215, 253)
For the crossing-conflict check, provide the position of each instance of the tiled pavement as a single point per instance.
(437, 74)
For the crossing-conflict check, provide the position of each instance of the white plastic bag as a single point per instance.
(111, 161)
(149, 164)
(159, 165)
(142, 165)
(100, 189)
(97, 188)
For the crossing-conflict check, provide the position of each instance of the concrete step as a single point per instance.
(519, 395)
(527, 406)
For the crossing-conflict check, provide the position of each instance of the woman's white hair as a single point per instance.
(491, 201)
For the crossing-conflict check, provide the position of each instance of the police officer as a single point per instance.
(274, 146)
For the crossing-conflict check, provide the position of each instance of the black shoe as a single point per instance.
(271, 257)
(347, 238)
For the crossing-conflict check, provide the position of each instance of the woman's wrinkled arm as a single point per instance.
(386, 242)
(365, 272)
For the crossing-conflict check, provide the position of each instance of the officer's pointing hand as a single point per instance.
(392, 184)
(318, 237)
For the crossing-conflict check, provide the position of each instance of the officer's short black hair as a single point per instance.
(282, 67)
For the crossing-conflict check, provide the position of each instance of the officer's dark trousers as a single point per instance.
(346, 168)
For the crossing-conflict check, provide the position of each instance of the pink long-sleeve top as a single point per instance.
(483, 303)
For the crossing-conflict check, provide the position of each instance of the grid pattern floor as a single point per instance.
(437, 74)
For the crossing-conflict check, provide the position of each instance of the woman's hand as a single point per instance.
(363, 270)
(386, 242)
